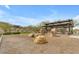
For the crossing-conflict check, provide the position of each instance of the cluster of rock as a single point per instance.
(40, 38)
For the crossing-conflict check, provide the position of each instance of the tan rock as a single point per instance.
(53, 31)
(40, 39)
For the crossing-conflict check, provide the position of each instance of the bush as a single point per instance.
(9, 33)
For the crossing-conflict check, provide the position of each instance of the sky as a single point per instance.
(25, 15)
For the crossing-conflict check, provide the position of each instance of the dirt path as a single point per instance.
(22, 44)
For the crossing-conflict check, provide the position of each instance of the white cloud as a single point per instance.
(7, 6)
(76, 22)
(76, 18)
(19, 20)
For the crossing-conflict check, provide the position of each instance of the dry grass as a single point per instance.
(24, 44)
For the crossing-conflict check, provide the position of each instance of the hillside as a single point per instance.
(5, 26)
(8, 27)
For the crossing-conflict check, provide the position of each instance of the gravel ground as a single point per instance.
(22, 44)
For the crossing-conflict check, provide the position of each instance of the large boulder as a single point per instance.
(41, 39)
